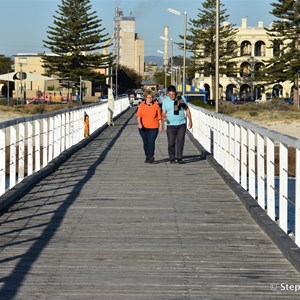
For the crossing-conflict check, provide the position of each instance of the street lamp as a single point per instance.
(165, 68)
(178, 13)
(171, 57)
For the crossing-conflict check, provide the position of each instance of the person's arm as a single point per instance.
(159, 119)
(139, 114)
(164, 116)
(140, 124)
(160, 127)
(189, 117)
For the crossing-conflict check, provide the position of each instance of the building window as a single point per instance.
(260, 49)
(245, 70)
(257, 68)
(245, 48)
(276, 48)
(231, 70)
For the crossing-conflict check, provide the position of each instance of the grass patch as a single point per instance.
(253, 113)
(275, 110)
(33, 109)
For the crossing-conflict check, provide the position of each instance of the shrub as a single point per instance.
(227, 108)
(253, 113)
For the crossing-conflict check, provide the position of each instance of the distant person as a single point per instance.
(149, 123)
(86, 125)
(176, 112)
(161, 99)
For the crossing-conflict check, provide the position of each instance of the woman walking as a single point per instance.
(149, 123)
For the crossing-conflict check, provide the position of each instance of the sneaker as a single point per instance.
(151, 160)
(180, 161)
(172, 161)
(147, 159)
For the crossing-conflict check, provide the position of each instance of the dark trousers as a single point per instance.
(176, 138)
(149, 136)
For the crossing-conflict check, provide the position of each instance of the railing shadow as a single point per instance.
(12, 283)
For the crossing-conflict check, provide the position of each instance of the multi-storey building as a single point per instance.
(254, 49)
(35, 83)
(130, 48)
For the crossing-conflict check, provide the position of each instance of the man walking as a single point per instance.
(176, 113)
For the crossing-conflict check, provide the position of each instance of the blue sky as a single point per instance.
(24, 22)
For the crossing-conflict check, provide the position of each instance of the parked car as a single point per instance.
(136, 101)
(103, 98)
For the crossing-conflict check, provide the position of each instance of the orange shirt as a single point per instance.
(150, 115)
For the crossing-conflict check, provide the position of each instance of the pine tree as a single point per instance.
(201, 41)
(5, 64)
(75, 40)
(285, 33)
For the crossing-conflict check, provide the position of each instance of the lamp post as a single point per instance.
(171, 62)
(217, 54)
(171, 56)
(165, 69)
(178, 13)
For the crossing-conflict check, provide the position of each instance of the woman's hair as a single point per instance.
(151, 93)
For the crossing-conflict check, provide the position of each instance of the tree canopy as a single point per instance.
(75, 41)
(285, 34)
(5, 64)
(201, 39)
(127, 79)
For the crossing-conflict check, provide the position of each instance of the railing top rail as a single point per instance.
(274, 135)
(16, 121)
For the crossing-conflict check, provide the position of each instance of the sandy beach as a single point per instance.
(291, 128)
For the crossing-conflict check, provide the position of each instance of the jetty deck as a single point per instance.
(107, 226)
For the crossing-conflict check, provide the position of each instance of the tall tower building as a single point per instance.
(130, 48)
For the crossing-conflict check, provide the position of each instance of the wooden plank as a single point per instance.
(106, 225)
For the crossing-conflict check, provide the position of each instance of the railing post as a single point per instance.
(45, 142)
(63, 132)
(51, 139)
(37, 145)
(244, 160)
(251, 169)
(237, 153)
(271, 179)
(13, 158)
(21, 157)
(297, 199)
(29, 148)
(232, 144)
(67, 133)
(2, 161)
(283, 187)
(261, 171)
(56, 139)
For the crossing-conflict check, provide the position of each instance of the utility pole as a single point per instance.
(80, 90)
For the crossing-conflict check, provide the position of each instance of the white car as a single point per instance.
(136, 101)
(140, 95)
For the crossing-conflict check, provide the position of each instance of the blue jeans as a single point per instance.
(176, 138)
(149, 136)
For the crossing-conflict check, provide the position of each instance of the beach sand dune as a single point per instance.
(291, 128)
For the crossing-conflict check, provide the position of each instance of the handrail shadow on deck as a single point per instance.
(12, 283)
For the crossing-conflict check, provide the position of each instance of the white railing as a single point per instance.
(30, 143)
(264, 162)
